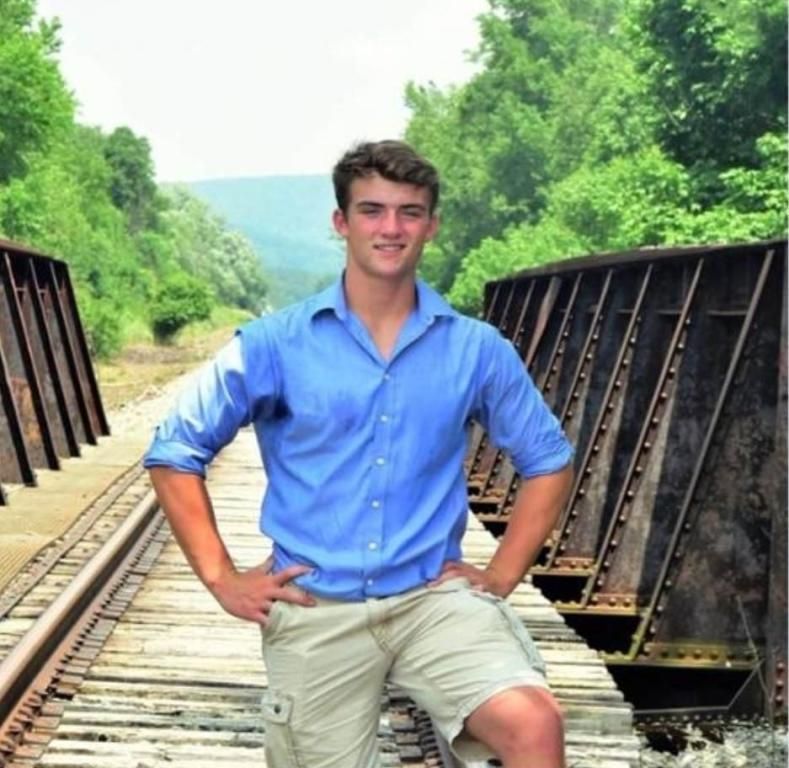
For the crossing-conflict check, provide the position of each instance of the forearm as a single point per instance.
(537, 507)
(185, 501)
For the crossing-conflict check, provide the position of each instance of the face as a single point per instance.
(386, 227)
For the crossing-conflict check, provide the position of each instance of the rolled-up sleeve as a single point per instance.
(207, 415)
(517, 418)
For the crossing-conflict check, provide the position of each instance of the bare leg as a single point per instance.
(522, 726)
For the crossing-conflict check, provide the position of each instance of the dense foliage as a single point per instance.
(91, 199)
(599, 125)
(181, 299)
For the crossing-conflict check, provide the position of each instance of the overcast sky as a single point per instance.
(257, 87)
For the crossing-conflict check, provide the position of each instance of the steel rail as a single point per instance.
(27, 669)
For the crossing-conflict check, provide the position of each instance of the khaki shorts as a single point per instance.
(449, 648)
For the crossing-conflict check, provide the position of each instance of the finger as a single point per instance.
(294, 595)
(290, 573)
(442, 577)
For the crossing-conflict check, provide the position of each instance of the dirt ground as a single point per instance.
(142, 369)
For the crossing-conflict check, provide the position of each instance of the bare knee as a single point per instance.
(521, 723)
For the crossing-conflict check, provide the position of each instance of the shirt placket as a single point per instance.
(384, 415)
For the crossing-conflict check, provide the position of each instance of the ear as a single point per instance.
(340, 222)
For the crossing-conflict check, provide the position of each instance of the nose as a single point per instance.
(390, 223)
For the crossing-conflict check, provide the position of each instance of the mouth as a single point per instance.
(390, 248)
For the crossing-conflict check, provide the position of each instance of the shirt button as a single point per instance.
(369, 582)
(375, 503)
(372, 545)
(387, 376)
(384, 418)
(380, 461)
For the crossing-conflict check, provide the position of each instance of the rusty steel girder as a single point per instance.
(48, 390)
(667, 369)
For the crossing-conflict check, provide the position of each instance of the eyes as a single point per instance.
(407, 212)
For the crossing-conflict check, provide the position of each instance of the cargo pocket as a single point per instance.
(533, 655)
(277, 708)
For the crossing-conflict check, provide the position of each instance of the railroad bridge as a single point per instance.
(667, 368)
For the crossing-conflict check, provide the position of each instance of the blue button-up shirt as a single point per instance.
(363, 454)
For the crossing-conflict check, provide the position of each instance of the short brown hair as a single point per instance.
(394, 160)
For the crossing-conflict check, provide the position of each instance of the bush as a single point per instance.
(180, 300)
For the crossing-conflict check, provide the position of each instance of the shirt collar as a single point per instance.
(429, 303)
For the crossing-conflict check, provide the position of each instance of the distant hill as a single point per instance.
(288, 221)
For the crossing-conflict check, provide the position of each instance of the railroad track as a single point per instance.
(159, 674)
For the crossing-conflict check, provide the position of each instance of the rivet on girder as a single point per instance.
(655, 421)
(582, 492)
(630, 493)
(576, 395)
(612, 601)
(614, 544)
(595, 449)
(668, 584)
(587, 471)
(609, 407)
(687, 527)
(604, 428)
(606, 564)
(581, 376)
(588, 357)
(600, 582)
(680, 347)
(554, 369)
(569, 414)
(625, 363)
(647, 446)
(573, 513)
(631, 341)
(622, 518)
(672, 372)
(547, 388)
(566, 335)
(617, 384)
(687, 322)
(562, 547)
(664, 395)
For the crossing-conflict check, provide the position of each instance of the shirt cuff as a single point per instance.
(177, 455)
(553, 460)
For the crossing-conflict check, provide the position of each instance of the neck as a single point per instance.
(379, 301)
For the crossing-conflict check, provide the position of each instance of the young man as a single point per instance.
(360, 398)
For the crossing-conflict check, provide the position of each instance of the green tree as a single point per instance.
(181, 299)
(132, 185)
(202, 245)
(717, 73)
(35, 106)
